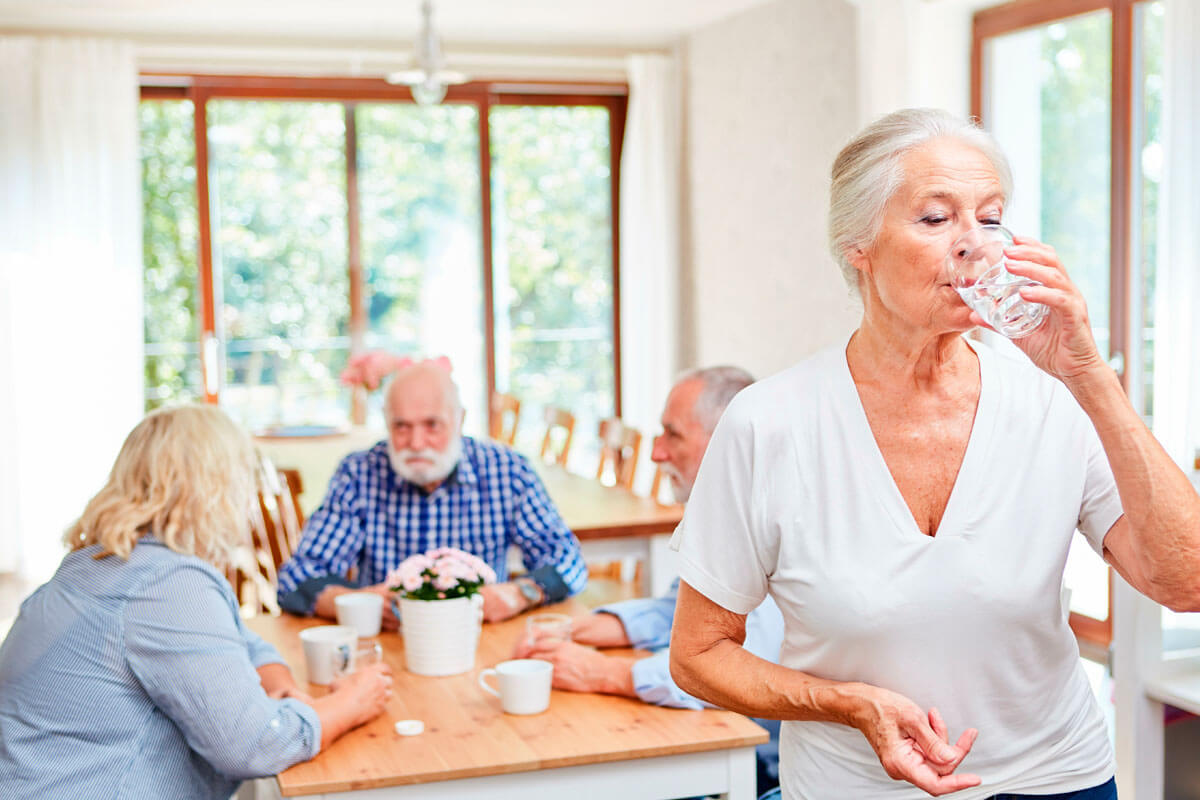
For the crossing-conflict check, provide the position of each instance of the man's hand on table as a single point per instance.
(578, 668)
(503, 601)
(326, 607)
(599, 630)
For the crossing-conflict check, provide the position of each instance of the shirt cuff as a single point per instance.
(643, 631)
(652, 683)
(302, 599)
(553, 587)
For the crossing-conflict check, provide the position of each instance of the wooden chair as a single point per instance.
(282, 516)
(274, 536)
(619, 448)
(560, 424)
(503, 411)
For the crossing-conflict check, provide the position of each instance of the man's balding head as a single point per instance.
(424, 418)
(688, 419)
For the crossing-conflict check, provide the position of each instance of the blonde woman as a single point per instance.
(130, 673)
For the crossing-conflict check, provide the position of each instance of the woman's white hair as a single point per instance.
(869, 170)
(186, 475)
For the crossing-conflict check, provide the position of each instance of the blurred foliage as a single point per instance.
(551, 229)
(278, 188)
(278, 194)
(1152, 44)
(1076, 154)
(169, 241)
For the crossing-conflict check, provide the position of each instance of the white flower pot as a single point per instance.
(440, 636)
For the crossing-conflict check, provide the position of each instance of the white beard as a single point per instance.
(440, 465)
(679, 488)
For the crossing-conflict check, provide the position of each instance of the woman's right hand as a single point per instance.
(914, 746)
(365, 690)
(352, 700)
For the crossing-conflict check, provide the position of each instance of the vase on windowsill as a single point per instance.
(441, 610)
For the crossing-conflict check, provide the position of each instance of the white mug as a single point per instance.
(362, 611)
(524, 685)
(329, 651)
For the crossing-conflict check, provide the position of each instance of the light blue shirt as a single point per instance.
(136, 679)
(648, 625)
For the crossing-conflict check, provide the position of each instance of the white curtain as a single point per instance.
(70, 283)
(651, 169)
(1176, 328)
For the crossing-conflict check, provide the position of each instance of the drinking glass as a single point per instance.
(557, 626)
(978, 273)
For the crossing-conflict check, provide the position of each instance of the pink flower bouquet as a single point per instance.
(440, 574)
(369, 369)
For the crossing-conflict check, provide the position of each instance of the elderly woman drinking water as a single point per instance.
(908, 498)
(130, 673)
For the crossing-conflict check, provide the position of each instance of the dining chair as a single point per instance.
(280, 513)
(556, 443)
(503, 411)
(619, 448)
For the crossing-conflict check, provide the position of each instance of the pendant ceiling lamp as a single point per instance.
(429, 77)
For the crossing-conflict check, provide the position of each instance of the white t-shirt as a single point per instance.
(794, 499)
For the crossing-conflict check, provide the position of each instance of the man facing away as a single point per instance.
(693, 407)
(427, 485)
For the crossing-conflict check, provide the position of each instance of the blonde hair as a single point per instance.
(868, 171)
(186, 475)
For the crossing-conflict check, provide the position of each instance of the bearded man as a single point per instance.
(429, 486)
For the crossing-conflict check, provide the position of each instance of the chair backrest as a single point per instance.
(619, 448)
(281, 515)
(560, 426)
(503, 411)
(274, 536)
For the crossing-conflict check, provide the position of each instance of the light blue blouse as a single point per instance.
(136, 679)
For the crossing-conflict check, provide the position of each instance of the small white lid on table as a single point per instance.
(410, 727)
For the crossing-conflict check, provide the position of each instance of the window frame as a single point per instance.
(484, 95)
(1014, 16)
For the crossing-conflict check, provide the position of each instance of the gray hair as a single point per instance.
(718, 386)
(868, 171)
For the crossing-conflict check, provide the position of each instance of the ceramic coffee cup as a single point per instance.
(329, 651)
(362, 611)
(524, 685)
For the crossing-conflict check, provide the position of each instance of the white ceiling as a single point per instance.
(624, 24)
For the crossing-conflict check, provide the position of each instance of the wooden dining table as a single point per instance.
(583, 746)
(612, 522)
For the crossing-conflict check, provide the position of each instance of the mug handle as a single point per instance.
(483, 684)
(343, 660)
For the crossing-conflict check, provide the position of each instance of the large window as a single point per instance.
(309, 220)
(1073, 92)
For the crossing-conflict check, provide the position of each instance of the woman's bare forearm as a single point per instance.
(716, 668)
(1162, 509)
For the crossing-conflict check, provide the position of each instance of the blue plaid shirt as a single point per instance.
(373, 519)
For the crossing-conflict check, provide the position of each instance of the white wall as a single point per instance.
(770, 97)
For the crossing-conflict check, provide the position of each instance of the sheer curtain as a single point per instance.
(1177, 331)
(70, 283)
(651, 168)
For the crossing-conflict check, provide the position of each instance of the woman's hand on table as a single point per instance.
(914, 746)
(353, 700)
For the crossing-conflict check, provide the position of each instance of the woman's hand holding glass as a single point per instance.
(1063, 344)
